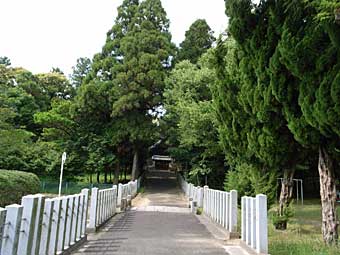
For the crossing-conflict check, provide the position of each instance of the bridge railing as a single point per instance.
(106, 203)
(220, 206)
(254, 231)
(48, 226)
(43, 225)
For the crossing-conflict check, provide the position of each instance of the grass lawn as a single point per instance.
(303, 236)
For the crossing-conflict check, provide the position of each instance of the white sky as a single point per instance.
(41, 34)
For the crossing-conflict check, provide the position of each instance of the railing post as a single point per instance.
(93, 209)
(114, 199)
(30, 204)
(205, 198)
(221, 208)
(99, 208)
(11, 229)
(200, 197)
(52, 247)
(2, 224)
(46, 226)
(209, 202)
(233, 211)
(119, 196)
(243, 218)
(248, 221)
(85, 192)
(253, 222)
(227, 210)
(80, 216)
(261, 224)
(69, 222)
(215, 205)
(73, 238)
(64, 210)
(38, 224)
(224, 194)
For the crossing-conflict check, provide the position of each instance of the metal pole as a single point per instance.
(301, 192)
(297, 191)
(63, 159)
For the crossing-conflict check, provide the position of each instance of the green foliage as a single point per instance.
(15, 184)
(115, 111)
(250, 181)
(288, 213)
(198, 39)
(189, 119)
(80, 71)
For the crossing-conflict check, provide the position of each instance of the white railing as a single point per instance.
(220, 206)
(103, 206)
(106, 203)
(43, 225)
(254, 230)
(48, 226)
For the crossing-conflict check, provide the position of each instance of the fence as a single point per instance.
(47, 226)
(107, 202)
(43, 225)
(221, 207)
(69, 188)
(254, 230)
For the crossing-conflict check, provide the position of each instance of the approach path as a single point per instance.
(159, 223)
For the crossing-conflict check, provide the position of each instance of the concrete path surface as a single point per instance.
(158, 224)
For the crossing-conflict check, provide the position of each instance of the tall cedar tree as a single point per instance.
(106, 135)
(139, 83)
(129, 75)
(198, 39)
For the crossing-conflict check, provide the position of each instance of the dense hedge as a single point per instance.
(15, 184)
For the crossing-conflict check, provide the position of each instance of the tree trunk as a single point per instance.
(286, 194)
(105, 176)
(116, 174)
(91, 181)
(328, 197)
(134, 173)
(98, 177)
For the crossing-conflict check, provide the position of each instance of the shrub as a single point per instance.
(15, 184)
(249, 181)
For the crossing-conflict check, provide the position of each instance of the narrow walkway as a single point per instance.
(158, 224)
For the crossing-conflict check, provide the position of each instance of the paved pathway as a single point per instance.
(158, 224)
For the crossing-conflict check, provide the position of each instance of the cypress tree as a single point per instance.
(255, 29)
(309, 90)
